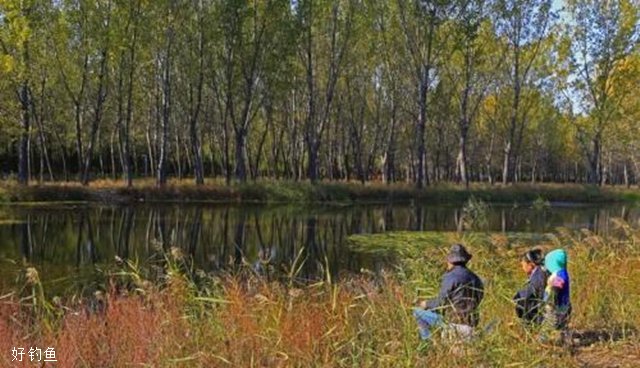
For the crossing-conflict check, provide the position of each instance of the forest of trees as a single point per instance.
(422, 91)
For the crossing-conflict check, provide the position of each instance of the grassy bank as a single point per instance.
(305, 192)
(194, 320)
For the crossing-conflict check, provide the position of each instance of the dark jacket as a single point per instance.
(460, 295)
(530, 300)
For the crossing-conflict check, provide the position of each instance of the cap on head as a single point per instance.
(458, 254)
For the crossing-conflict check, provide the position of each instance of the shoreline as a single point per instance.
(285, 192)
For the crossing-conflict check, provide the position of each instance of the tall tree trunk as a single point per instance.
(506, 164)
(241, 155)
(193, 127)
(151, 154)
(95, 126)
(421, 169)
(177, 151)
(128, 169)
(263, 138)
(227, 156)
(198, 168)
(312, 151)
(63, 154)
(462, 157)
(161, 175)
(389, 169)
(488, 159)
(112, 156)
(25, 125)
(310, 126)
(595, 161)
(508, 167)
(44, 150)
(120, 128)
(78, 102)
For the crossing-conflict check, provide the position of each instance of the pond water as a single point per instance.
(69, 242)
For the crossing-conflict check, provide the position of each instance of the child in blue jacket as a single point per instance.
(557, 293)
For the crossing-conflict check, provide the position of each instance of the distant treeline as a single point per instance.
(422, 91)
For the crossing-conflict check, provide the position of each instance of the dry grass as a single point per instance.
(361, 321)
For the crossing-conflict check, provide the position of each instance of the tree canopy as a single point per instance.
(422, 91)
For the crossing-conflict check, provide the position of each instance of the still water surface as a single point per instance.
(67, 242)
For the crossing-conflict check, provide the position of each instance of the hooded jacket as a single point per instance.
(557, 292)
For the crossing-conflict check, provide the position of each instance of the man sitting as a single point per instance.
(456, 307)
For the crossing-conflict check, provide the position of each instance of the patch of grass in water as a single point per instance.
(412, 243)
(541, 204)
